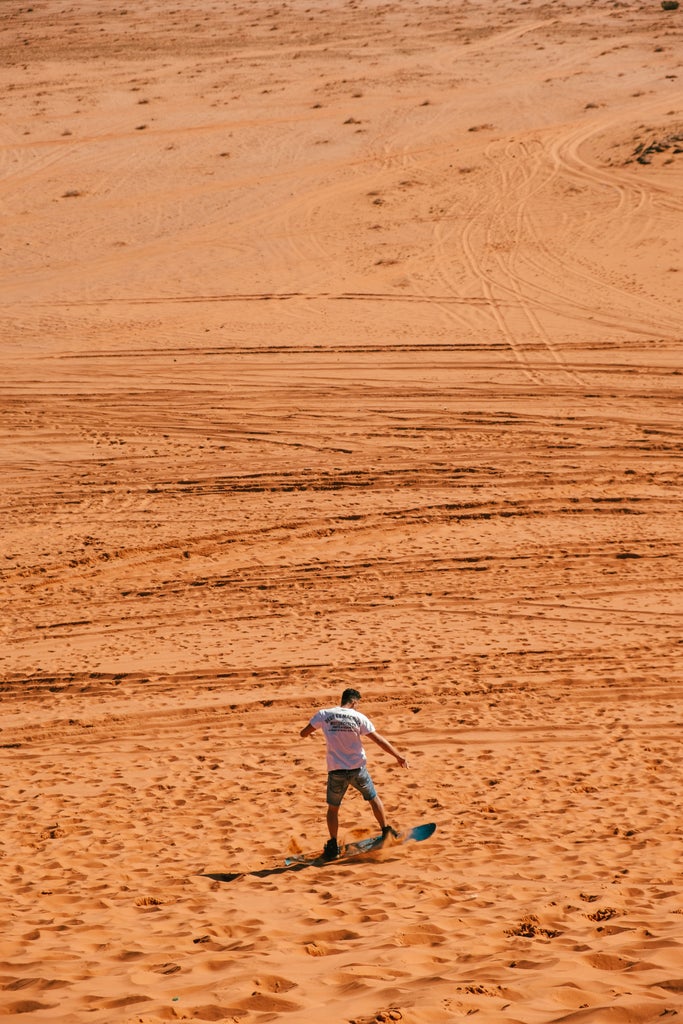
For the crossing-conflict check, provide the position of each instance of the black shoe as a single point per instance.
(331, 850)
(389, 831)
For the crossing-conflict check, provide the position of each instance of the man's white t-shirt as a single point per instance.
(343, 728)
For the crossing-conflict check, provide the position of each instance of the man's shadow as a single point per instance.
(230, 876)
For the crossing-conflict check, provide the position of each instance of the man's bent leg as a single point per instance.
(378, 811)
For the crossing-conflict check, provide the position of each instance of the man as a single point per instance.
(343, 727)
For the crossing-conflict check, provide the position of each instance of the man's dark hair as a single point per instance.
(348, 695)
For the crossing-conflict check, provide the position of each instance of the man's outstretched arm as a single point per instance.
(307, 730)
(386, 745)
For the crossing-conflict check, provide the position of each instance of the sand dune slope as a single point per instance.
(341, 345)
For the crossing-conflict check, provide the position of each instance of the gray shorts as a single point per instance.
(339, 781)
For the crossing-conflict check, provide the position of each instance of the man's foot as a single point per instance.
(331, 850)
(389, 831)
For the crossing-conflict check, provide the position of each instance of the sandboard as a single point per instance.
(350, 850)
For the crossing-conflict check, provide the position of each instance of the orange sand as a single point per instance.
(341, 344)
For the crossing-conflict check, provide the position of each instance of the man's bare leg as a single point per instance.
(378, 811)
(332, 820)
